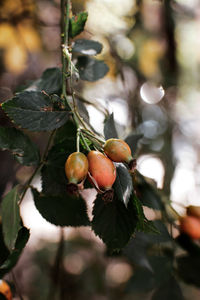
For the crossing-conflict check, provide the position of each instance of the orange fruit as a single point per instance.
(76, 167)
(118, 150)
(101, 169)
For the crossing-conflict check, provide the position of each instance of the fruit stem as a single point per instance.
(84, 141)
(65, 9)
(92, 135)
(78, 140)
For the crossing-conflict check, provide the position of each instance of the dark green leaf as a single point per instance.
(51, 81)
(146, 192)
(32, 110)
(83, 111)
(12, 259)
(132, 140)
(169, 290)
(53, 173)
(91, 69)
(189, 269)
(113, 222)
(123, 185)
(87, 47)
(146, 280)
(77, 24)
(11, 219)
(65, 210)
(109, 128)
(136, 252)
(24, 150)
(3, 249)
(142, 281)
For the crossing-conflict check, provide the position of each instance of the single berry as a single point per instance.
(5, 290)
(193, 211)
(76, 167)
(191, 226)
(101, 169)
(118, 150)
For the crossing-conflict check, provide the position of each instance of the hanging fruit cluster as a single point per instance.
(98, 166)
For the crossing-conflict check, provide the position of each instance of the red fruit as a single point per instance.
(191, 226)
(101, 169)
(5, 290)
(76, 167)
(118, 150)
(193, 211)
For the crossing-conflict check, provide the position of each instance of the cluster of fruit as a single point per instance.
(190, 224)
(98, 166)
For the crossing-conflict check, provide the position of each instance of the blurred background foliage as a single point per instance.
(152, 50)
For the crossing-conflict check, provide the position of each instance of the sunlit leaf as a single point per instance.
(77, 24)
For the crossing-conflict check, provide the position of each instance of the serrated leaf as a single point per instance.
(11, 260)
(132, 140)
(32, 110)
(11, 220)
(91, 69)
(77, 24)
(50, 81)
(87, 47)
(123, 185)
(169, 290)
(113, 222)
(65, 210)
(109, 128)
(146, 192)
(24, 150)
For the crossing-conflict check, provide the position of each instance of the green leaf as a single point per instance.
(24, 150)
(132, 140)
(146, 280)
(113, 222)
(11, 219)
(50, 81)
(123, 185)
(11, 260)
(77, 24)
(53, 173)
(169, 290)
(87, 47)
(109, 128)
(32, 110)
(146, 192)
(91, 69)
(65, 210)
